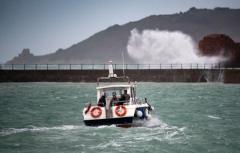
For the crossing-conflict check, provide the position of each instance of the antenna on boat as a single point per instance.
(123, 64)
(110, 67)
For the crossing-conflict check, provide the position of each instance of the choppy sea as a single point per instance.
(188, 118)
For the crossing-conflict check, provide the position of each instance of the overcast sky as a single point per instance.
(47, 25)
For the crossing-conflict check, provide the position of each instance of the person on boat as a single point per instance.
(127, 96)
(121, 100)
(114, 99)
(102, 100)
(124, 98)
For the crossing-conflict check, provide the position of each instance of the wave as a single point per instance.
(111, 143)
(214, 117)
(152, 130)
(11, 131)
(168, 47)
(136, 136)
(105, 126)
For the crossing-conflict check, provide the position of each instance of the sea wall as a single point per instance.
(232, 76)
(148, 75)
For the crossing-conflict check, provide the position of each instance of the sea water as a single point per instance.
(188, 118)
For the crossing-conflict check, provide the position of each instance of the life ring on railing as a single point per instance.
(96, 112)
(121, 110)
(88, 108)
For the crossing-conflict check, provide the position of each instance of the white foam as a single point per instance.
(75, 97)
(166, 47)
(162, 131)
(106, 126)
(153, 122)
(111, 143)
(10, 131)
(214, 117)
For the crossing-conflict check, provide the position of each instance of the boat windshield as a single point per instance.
(117, 92)
(114, 91)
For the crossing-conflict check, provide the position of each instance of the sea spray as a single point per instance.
(154, 121)
(155, 46)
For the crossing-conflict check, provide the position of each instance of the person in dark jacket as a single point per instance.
(126, 95)
(102, 100)
(124, 98)
(114, 99)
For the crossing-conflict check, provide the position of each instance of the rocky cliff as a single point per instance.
(24, 56)
(223, 45)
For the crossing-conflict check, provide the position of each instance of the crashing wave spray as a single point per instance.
(155, 46)
(154, 121)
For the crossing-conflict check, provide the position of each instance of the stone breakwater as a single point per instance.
(150, 75)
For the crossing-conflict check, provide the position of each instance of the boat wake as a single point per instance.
(151, 131)
(11, 131)
(154, 122)
(164, 130)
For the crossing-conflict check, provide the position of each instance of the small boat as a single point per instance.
(117, 103)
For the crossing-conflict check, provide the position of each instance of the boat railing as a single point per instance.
(115, 103)
(139, 101)
(119, 102)
(159, 66)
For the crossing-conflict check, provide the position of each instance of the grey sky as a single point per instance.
(47, 25)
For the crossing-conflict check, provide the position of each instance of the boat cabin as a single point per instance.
(115, 93)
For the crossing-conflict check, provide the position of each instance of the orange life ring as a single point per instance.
(121, 110)
(96, 112)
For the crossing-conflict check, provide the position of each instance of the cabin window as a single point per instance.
(110, 92)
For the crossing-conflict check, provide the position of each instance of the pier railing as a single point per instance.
(115, 66)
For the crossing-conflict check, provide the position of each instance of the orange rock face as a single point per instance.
(220, 44)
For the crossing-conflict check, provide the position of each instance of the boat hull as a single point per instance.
(109, 121)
